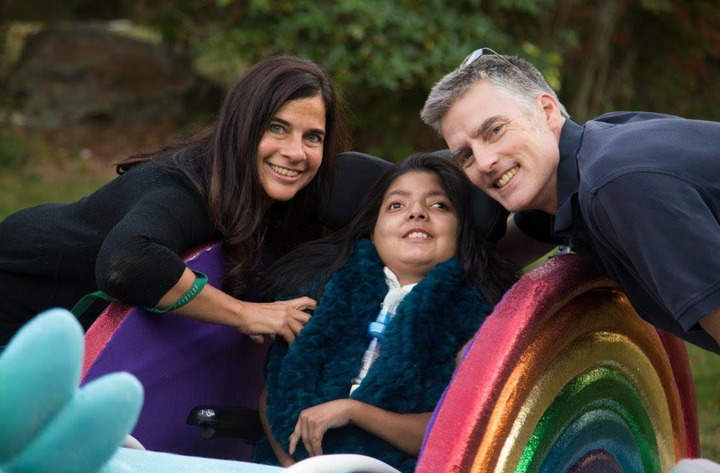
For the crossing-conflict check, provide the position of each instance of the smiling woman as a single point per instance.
(291, 150)
(252, 179)
(412, 254)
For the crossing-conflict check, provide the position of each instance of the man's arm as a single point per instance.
(520, 248)
(663, 228)
(711, 324)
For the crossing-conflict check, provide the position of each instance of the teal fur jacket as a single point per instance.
(416, 363)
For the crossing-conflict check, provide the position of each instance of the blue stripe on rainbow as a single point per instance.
(581, 438)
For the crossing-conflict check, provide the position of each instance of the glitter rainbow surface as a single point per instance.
(565, 377)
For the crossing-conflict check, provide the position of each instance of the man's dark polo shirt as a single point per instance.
(639, 194)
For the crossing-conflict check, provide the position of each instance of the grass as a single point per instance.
(29, 188)
(64, 165)
(45, 171)
(706, 374)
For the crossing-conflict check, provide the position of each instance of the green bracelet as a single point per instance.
(200, 282)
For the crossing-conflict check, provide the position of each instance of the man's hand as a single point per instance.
(315, 421)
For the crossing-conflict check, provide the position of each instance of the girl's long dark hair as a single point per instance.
(221, 163)
(317, 260)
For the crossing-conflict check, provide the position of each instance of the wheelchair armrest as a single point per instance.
(227, 422)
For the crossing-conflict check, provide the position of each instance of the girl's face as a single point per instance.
(417, 226)
(291, 148)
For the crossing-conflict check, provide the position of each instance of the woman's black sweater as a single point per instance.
(124, 239)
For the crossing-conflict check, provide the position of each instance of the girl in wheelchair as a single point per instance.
(401, 289)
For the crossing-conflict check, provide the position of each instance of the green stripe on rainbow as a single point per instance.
(615, 339)
(602, 389)
(590, 351)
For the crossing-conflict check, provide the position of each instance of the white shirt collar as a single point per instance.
(394, 282)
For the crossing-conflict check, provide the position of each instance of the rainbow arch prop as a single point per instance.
(565, 377)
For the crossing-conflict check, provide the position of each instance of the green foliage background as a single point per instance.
(600, 55)
(661, 55)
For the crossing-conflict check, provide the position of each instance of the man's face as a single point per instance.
(508, 152)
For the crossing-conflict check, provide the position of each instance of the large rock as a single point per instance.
(82, 73)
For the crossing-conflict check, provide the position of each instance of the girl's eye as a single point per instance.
(276, 128)
(441, 205)
(394, 206)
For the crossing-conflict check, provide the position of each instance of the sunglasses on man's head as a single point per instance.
(475, 55)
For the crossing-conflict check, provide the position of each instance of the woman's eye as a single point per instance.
(440, 205)
(496, 130)
(394, 206)
(276, 129)
(314, 138)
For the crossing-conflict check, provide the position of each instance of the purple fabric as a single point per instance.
(183, 363)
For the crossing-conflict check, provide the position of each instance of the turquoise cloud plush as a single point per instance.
(47, 423)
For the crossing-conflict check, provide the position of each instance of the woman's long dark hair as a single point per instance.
(317, 260)
(221, 163)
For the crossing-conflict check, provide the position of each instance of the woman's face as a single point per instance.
(291, 148)
(417, 226)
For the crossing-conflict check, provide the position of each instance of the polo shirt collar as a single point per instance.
(567, 176)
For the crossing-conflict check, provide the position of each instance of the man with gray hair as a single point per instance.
(637, 193)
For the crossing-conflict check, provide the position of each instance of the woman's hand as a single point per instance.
(254, 319)
(284, 318)
(315, 421)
